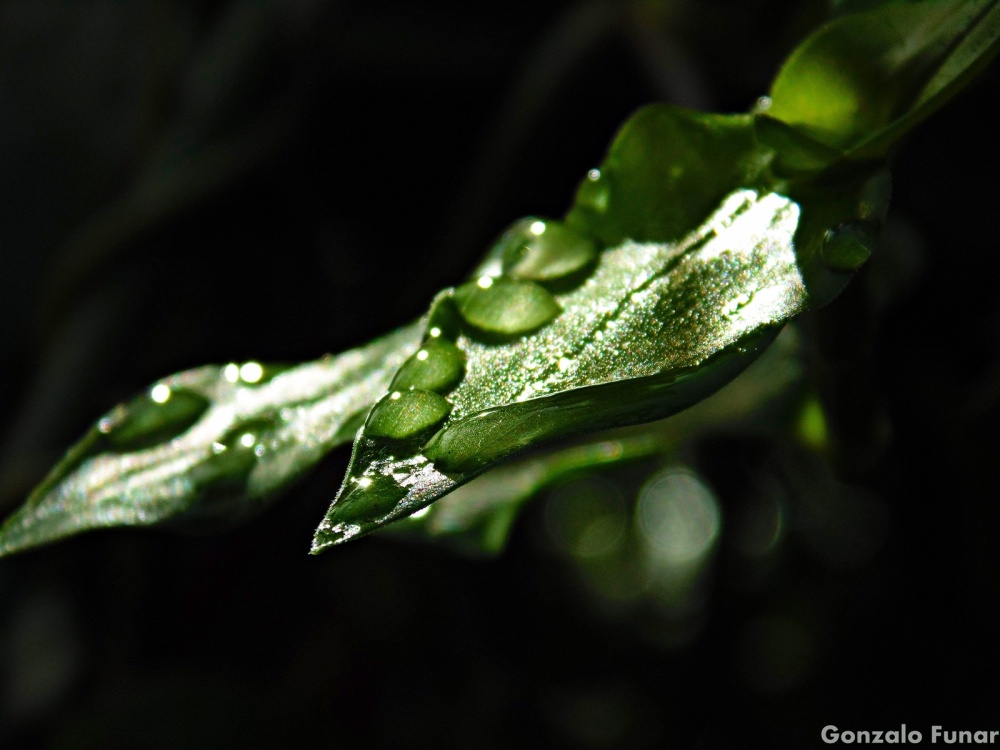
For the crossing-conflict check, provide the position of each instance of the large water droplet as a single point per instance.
(544, 250)
(508, 306)
(406, 415)
(362, 500)
(847, 246)
(437, 366)
(155, 417)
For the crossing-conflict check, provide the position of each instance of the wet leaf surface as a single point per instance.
(213, 442)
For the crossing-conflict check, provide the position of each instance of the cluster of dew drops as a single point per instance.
(538, 255)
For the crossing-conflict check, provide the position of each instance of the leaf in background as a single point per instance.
(864, 79)
(207, 443)
(655, 325)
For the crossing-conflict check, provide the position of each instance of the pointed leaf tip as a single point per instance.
(214, 442)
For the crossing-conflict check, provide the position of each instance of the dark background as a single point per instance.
(183, 183)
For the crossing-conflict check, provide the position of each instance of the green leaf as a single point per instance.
(476, 518)
(676, 304)
(864, 79)
(209, 443)
(667, 169)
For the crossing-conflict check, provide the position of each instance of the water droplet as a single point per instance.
(362, 499)
(251, 372)
(848, 246)
(162, 414)
(544, 250)
(437, 366)
(443, 320)
(594, 192)
(509, 307)
(233, 457)
(406, 416)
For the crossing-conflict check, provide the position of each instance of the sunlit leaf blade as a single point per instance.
(865, 79)
(213, 442)
(699, 264)
(477, 517)
(656, 325)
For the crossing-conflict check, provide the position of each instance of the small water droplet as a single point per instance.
(594, 192)
(847, 246)
(544, 250)
(509, 307)
(407, 415)
(437, 366)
